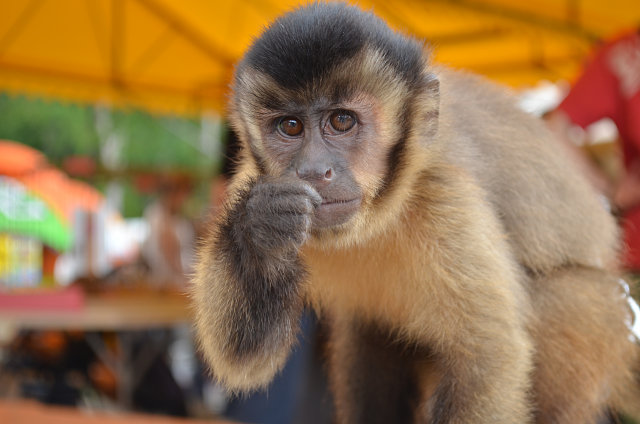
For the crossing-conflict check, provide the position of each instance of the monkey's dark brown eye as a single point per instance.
(290, 126)
(342, 120)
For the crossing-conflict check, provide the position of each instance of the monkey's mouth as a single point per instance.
(334, 212)
(333, 202)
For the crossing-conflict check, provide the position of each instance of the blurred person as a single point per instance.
(168, 249)
(168, 252)
(609, 87)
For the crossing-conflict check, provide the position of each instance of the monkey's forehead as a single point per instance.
(300, 49)
(365, 76)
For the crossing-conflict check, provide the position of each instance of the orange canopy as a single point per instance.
(178, 56)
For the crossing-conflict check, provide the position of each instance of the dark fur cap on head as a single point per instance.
(310, 42)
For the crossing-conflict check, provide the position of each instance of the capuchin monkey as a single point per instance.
(467, 273)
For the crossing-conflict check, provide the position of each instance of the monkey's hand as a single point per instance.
(247, 287)
(277, 217)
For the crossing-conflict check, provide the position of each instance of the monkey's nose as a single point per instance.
(322, 175)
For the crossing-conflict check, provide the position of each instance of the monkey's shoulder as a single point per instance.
(550, 213)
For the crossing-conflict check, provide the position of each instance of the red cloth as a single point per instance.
(68, 298)
(610, 87)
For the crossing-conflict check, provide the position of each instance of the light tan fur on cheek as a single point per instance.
(369, 162)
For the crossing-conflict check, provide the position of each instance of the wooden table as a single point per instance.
(30, 412)
(118, 311)
(127, 314)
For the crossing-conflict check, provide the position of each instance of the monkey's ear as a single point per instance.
(428, 106)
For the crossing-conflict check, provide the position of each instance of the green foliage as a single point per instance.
(61, 130)
(55, 129)
(159, 142)
(150, 144)
(134, 202)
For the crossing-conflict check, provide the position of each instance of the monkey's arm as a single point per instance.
(247, 286)
(481, 342)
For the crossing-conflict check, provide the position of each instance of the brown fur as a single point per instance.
(483, 275)
(580, 317)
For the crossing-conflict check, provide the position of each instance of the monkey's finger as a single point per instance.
(314, 196)
(282, 230)
(302, 187)
(283, 205)
(300, 203)
(280, 187)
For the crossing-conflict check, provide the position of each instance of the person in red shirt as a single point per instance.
(609, 87)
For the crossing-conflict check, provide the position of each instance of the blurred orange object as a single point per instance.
(103, 378)
(18, 159)
(29, 412)
(48, 344)
(84, 195)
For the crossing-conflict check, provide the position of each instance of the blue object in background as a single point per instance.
(298, 394)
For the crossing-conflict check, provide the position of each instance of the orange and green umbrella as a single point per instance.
(22, 212)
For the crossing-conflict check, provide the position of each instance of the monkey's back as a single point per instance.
(551, 215)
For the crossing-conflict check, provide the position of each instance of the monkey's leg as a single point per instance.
(485, 377)
(377, 378)
(583, 354)
(372, 375)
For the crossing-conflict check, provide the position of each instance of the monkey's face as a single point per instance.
(327, 144)
(332, 144)
(335, 105)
